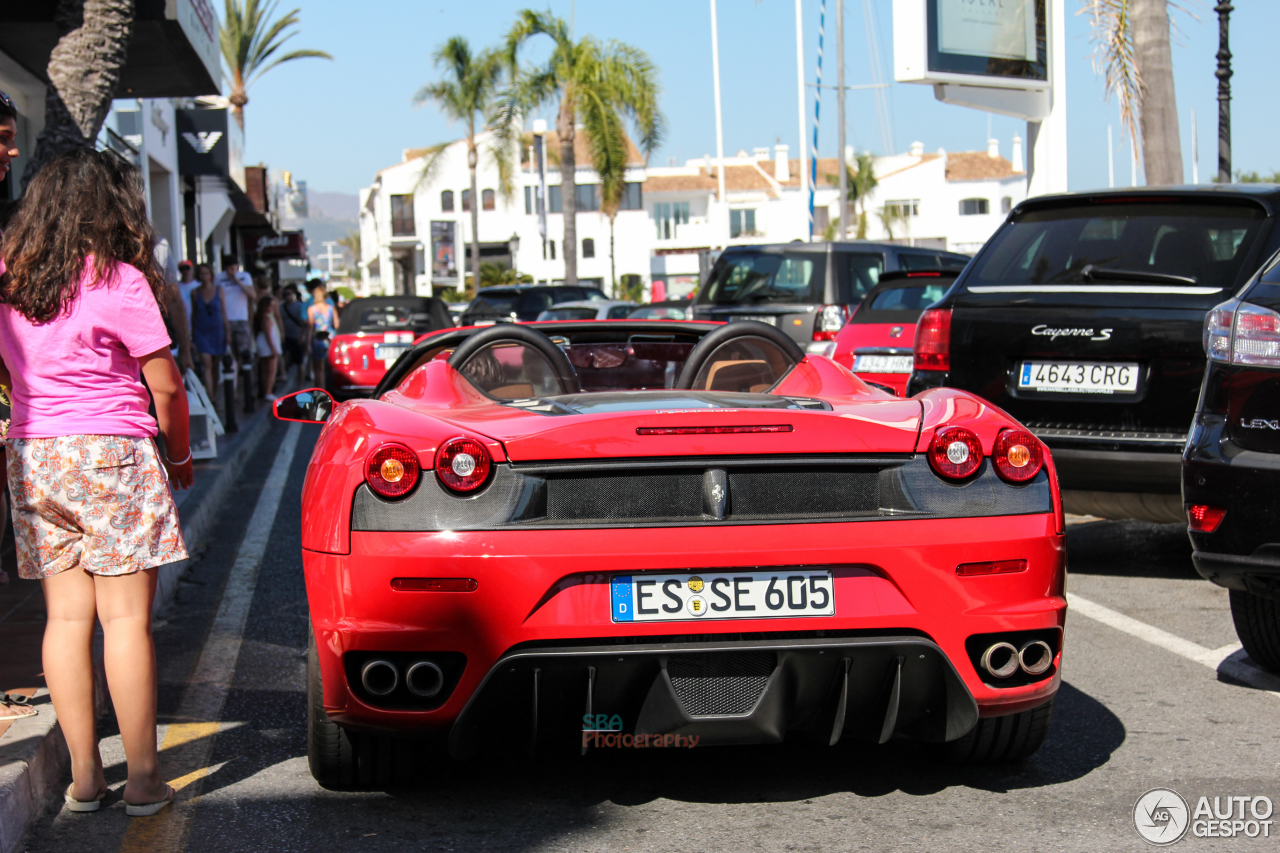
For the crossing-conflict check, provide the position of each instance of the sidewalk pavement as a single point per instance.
(33, 754)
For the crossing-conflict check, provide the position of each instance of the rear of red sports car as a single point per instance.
(754, 549)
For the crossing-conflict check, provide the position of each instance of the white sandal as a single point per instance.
(148, 809)
(74, 805)
(14, 706)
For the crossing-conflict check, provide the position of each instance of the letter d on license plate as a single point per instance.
(722, 594)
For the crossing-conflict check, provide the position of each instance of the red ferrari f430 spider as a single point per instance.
(641, 533)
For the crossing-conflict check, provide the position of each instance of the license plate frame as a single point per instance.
(724, 594)
(1075, 376)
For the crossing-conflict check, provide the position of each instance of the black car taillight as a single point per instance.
(392, 470)
(1018, 455)
(463, 464)
(955, 452)
(933, 340)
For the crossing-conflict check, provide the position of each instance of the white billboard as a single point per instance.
(1002, 29)
(992, 43)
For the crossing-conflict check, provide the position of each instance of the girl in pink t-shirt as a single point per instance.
(93, 513)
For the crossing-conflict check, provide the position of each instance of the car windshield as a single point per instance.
(1132, 241)
(500, 303)
(658, 312)
(750, 278)
(916, 298)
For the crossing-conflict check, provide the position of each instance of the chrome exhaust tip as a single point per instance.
(424, 679)
(379, 677)
(1036, 657)
(1000, 660)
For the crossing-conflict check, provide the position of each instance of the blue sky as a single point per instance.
(334, 124)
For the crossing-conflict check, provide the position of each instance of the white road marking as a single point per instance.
(187, 745)
(1229, 660)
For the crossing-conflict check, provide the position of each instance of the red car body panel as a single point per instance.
(354, 366)
(854, 336)
(548, 585)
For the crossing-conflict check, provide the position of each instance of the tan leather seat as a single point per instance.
(751, 376)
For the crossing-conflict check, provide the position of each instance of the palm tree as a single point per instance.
(250, 41)
(891, 216)
(861, 181)
(351, 242)
(597, 83)
(84, 68)
(470, 88)
(1131, 39)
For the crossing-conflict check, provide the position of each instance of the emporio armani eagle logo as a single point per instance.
(204, 141)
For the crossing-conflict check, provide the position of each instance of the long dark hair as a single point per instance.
(82, 203)
(264, 311)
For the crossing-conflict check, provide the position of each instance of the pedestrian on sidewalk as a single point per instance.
(94, 516)
(268, 339)
(293, 322)
(210, 330)
(239, 293)
(323, 320)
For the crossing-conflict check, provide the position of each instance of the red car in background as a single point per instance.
(876, 343)
(585, 535)
(372, 333)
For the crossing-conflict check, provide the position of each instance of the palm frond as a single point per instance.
(432, 159)
(1113, 57)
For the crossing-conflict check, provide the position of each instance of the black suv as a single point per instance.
(1231, 465)
(807, 290)
(522, 303)
(1082, 317)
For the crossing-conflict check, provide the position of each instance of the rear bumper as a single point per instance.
(1244, 552)
(542, 603)
(1099, 470)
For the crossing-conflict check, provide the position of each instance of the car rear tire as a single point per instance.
(344, 760)
(997, 740)
(1258, 627)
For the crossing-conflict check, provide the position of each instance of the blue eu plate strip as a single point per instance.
(1026, 374)
(622, 609)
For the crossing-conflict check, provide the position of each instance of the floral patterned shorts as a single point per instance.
(97, 502)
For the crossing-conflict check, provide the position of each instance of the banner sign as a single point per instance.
(1004, 29)
(286, 245)
(444, 256)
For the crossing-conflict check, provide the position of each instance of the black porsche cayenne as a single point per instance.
(1231, 465)
(1082, 317)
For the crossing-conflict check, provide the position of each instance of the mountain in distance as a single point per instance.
(330, 216)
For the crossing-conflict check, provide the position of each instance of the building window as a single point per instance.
(587, 196)
(974, 206)
(821, 218)
(528, 201)
(588, 248)
(551, 246)
(1006, 204)
(742, 222)
(486, 199)
(466, 201)
(669, 216)
(553, 199)
(402, 216)
(902, 208)
(446, 201)
(631, 198)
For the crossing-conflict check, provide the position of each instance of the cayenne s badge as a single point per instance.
(1260, 423)
(1054, 334)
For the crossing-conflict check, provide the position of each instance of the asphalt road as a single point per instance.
(1154, 695)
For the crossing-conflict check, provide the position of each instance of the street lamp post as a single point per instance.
(513, 246)
(1224, 10)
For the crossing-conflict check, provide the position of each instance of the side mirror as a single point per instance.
(312, 406)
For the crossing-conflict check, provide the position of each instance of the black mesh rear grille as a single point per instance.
(773, 493)
(720, 684)
(625, 497)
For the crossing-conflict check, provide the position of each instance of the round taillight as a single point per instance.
(955, 452)
(392, 470)
(1018, 455)
(463, 464)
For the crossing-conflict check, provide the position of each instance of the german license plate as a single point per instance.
(387, 353)
(759, 318)
(722, 595)
(1079, 377)
(882, 364)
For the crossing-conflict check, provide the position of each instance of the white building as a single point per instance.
(415, 235)
(673, 217)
